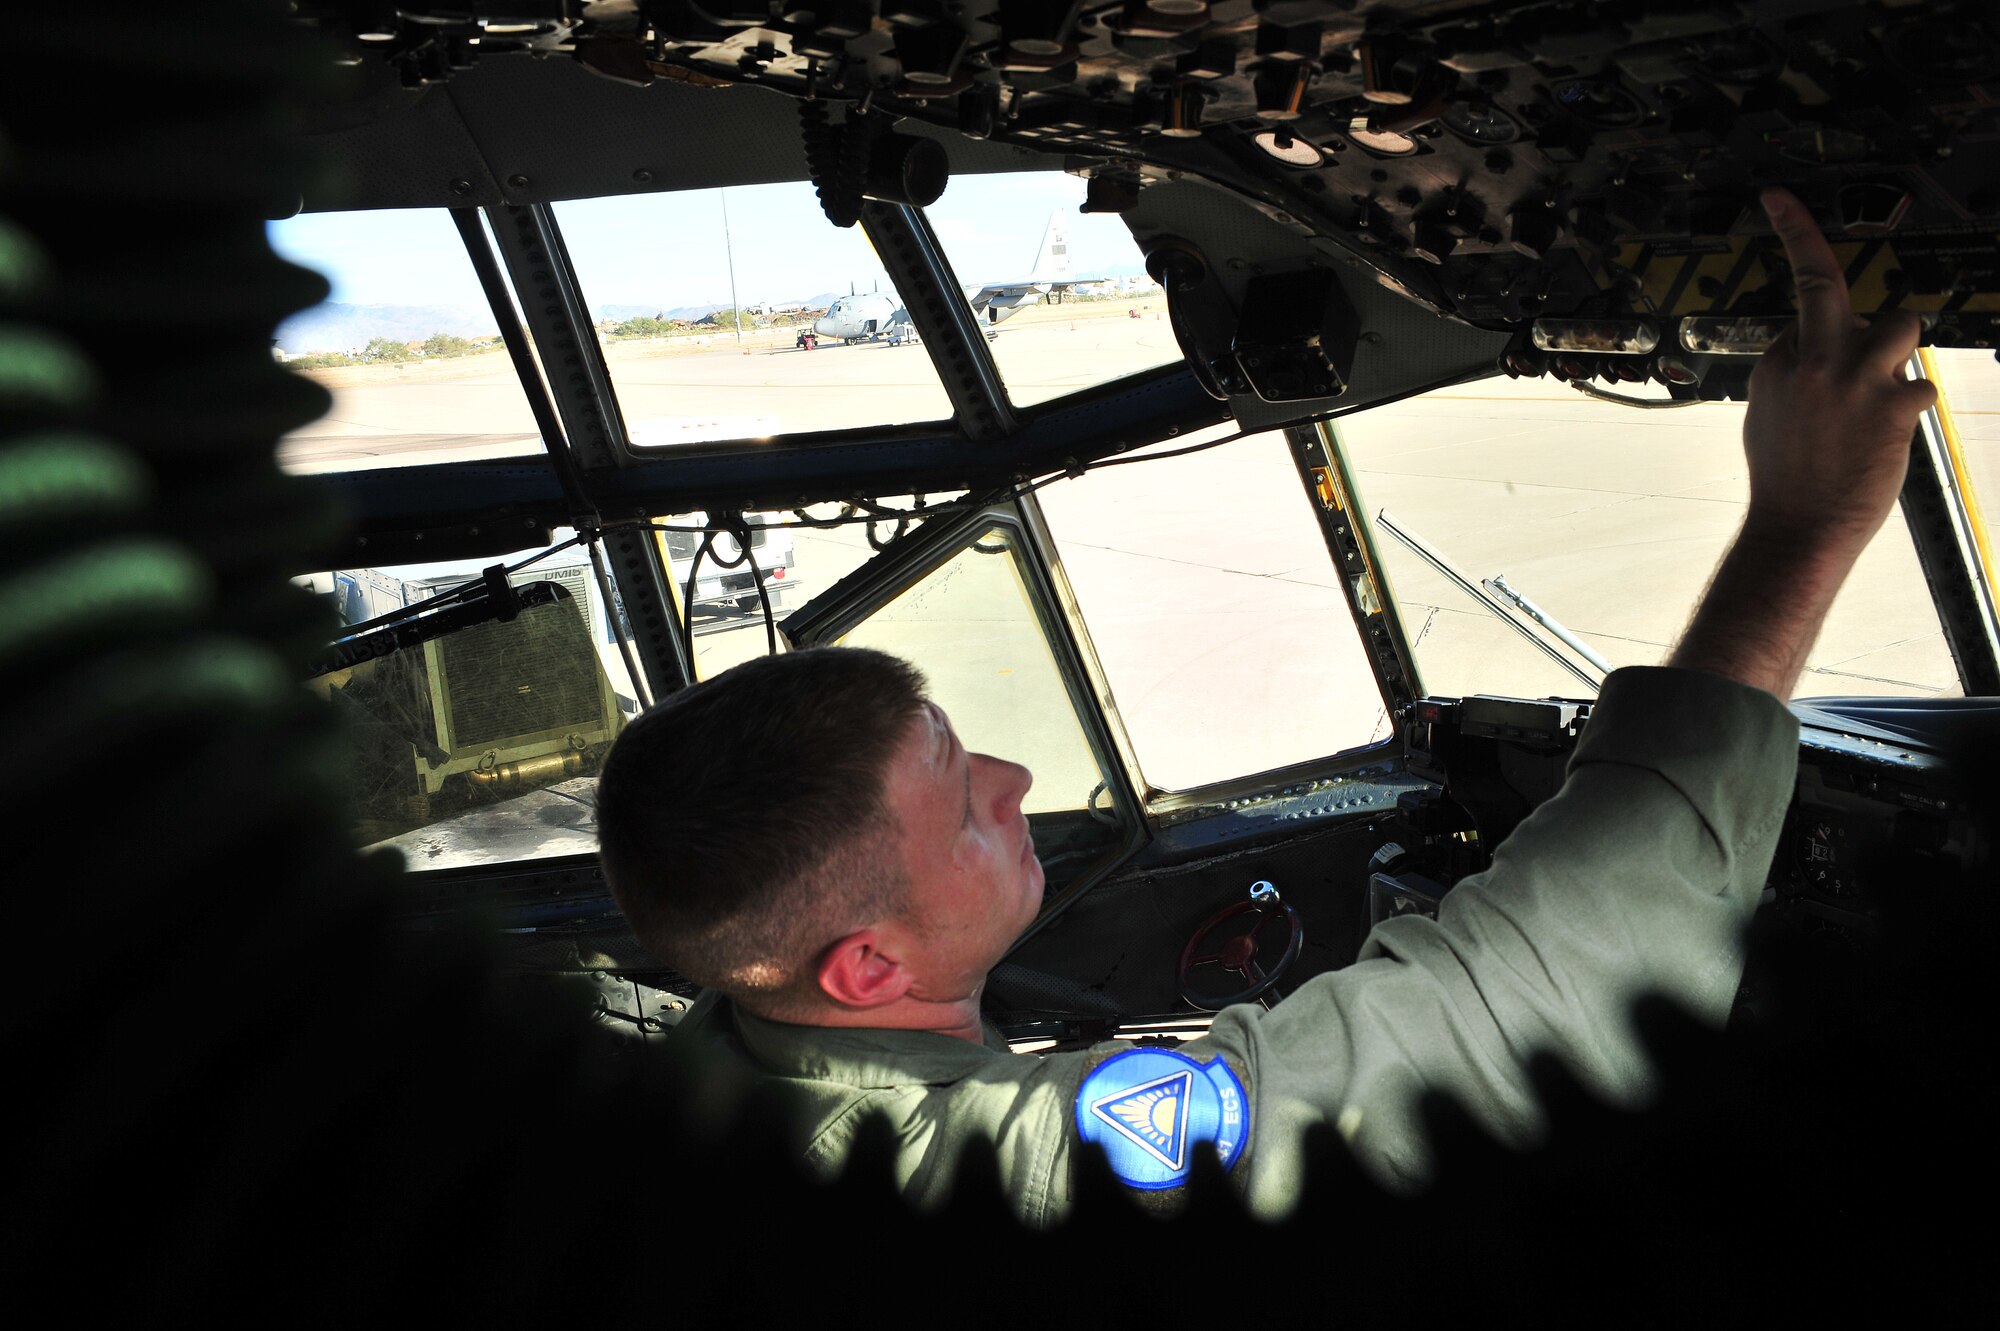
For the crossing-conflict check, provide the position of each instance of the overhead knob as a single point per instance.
(1391, 74)
(1181, 116)
(1281, 90)
(1434, 240)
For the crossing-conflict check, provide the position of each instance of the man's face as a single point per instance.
(975, 883)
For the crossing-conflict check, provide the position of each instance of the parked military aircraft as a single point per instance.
(857, 318)
(864, 318)
(1306, 579)
(1049, 278)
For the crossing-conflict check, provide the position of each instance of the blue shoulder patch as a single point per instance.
(1147, 1108)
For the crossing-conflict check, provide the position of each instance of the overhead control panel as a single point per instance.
(1502, 163)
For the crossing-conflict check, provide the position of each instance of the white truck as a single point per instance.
(725, 585)
(725, 589)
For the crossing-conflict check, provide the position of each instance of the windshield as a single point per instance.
(1608, 520)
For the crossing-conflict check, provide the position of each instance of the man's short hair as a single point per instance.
(744, 822)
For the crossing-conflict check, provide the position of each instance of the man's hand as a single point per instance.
(1831, 414)
(1827, 435)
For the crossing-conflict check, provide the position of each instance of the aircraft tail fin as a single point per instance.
(1052, 262)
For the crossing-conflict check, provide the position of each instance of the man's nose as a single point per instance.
(1009, 782)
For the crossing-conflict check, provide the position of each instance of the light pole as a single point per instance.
(729, 252)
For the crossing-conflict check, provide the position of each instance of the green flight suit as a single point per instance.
(1638, 875)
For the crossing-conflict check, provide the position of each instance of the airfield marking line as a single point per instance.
(1880, 679)
(1711, 499)
(1402, 451)
(1882, 647)
(1539, 485)
(330, 419)
(1599, 634)
(1831, 668)
(1192, 563)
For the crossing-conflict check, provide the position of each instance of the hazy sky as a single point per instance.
(668, 249)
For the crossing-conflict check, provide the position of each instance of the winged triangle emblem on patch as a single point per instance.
(1152, 1116)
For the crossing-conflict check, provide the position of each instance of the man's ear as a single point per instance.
(856, 973)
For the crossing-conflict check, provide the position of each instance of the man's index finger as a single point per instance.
(1824, 309)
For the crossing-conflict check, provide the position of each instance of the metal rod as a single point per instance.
(1479, 594)
(613, 608)
(729, 252)
(1498, 583)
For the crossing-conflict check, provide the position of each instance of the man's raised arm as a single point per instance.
(1827, 435)
(1640, 873)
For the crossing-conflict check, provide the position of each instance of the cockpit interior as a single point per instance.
(1268, 420)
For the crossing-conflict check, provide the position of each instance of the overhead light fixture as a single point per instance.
(1288, 148)
(1622, 337)
(1721, 335)
(1674, 370)
(1752, 335)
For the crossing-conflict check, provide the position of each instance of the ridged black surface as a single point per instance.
(837, 158)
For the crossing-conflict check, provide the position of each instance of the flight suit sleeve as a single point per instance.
(1639, 875)
(1018, 1106)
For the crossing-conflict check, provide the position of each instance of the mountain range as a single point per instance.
(337, 327)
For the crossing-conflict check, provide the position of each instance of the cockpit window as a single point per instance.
(1063, 295)
(743, 313)
(1204, 578)
(406, 343)
(1523, 525)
